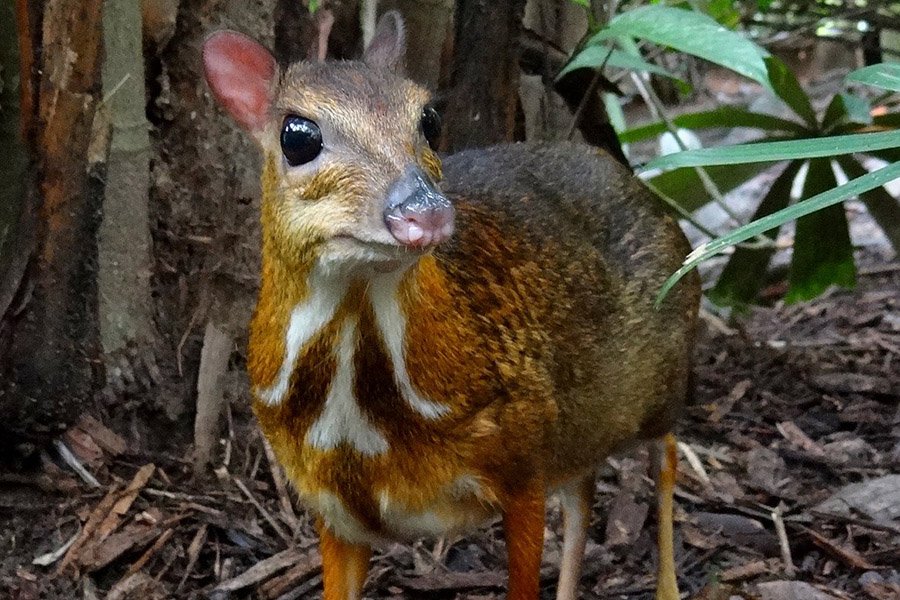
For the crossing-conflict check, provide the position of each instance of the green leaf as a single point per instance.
(847, 108)
(692, 33)
(773, 151)
(745, 272)
(882, 75)
(859, 109)
(786, 87)
(595, 56)
(833, 196)
(883, 207)
(823, 253)
(723, 11)
(614, 111)
(684, 185)
(584, 3)
(726, 116)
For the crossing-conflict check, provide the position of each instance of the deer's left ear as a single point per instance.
(387, 50)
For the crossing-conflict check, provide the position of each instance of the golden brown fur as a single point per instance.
(530, 337)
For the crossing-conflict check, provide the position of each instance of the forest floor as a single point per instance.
(789, 488)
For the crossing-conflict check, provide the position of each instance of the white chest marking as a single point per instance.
(341, 419)
(307, 318)
(392, 325)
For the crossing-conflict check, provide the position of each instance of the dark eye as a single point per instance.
(431, 126)
(301, 140)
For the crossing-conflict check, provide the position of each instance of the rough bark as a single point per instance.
(483, 105)
(14, 246)
(124, 278)
(49, 367)
(204, 201)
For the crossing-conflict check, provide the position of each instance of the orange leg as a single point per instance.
(344, 566)
(666, 582)
(523, 524)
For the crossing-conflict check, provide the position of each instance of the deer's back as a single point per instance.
(559, 255)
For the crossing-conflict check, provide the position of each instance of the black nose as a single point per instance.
(417, 214)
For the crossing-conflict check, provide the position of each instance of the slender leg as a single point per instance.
(344, 566)
(523, 524)
(576, 499)
(666, 583)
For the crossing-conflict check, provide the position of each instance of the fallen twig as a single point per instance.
(262, 511)
(789, 568)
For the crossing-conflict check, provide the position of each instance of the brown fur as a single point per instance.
(535, 324)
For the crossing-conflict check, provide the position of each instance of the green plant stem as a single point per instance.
(659, 111)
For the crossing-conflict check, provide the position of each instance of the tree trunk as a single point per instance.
(14, 239)
(50, 364)
(483, 105)
(124, 279)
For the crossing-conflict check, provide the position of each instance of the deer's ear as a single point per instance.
(387, 50)
(242, 75)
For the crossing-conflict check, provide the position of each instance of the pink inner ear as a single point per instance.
(241, 74)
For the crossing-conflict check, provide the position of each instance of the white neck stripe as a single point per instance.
(341, 419)
(307, 319)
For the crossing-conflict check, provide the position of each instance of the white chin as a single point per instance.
(349, 254)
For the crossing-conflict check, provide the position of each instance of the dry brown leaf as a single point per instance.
(110, 441)
(626, 519)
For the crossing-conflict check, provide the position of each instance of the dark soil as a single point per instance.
(792, 405)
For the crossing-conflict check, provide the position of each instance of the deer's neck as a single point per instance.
(344, 332)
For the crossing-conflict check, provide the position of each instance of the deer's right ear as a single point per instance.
(242, 75)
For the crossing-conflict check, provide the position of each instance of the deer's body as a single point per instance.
(417, 384)
(428, 394)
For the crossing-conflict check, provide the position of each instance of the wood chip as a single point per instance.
(265, 514)
(83, 446)
(193, 553)
(746, 571)
(877, 499)
(451, 581)
(261, 570)
(149, 553)
(135, 586)
(93, 521)
(99, 555)
(724, 407)
(294, 578)
(798, 438)
(848, 555)
(284, 497)
(111, 442)
(738, 529)
(791, 590)
(123, 503)
(852, 383)
(626, 519)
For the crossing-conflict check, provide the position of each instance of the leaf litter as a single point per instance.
(790, 464)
